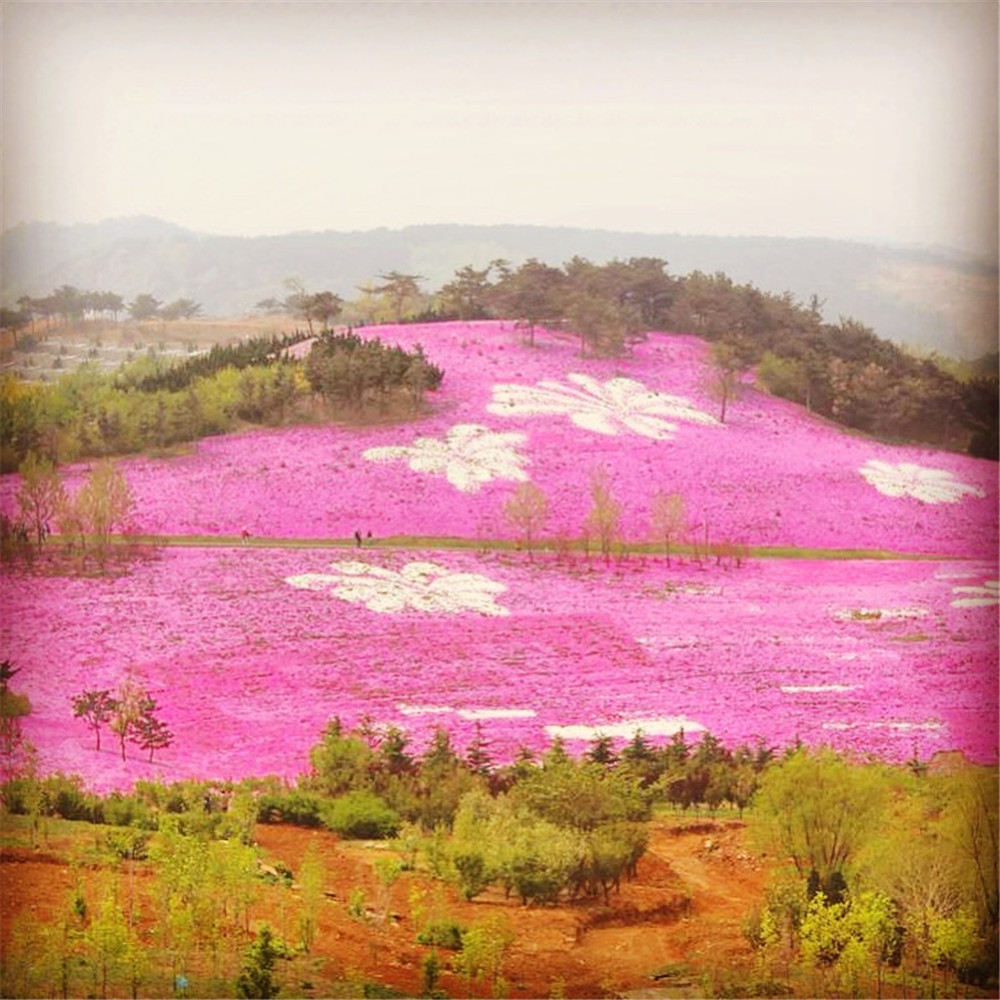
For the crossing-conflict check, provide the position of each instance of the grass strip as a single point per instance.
(445, 542)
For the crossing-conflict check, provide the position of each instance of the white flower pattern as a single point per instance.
(418, 586)
(917, 481)
(469, 456)
(604, 408)
(879, 614)
(979, 597)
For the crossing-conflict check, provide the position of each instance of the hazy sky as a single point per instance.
(867, 120)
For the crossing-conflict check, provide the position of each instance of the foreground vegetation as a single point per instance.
(879, 875)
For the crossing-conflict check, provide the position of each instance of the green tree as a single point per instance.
(598, 305)
(972, 826)
(730, 358)
(257, 979)
(361, 815)
(825, 829)
(484, 953)
(531, 294)
(69, 303)
(96, 708)
(116, 955)
(312, 877)
(784, 377)
(340, 762)
(102, 505)
(398, 289)
(149, 732)
(180, 309)
(324, 307)
(144, 307)
(468, 292)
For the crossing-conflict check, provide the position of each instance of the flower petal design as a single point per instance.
(980, 597)
(617, 405)
(418, 586)
(923, 484)
(469, 456)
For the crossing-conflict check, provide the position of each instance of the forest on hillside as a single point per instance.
(930, 299)
(842, 371)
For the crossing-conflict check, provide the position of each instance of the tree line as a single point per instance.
(841, 370)
(155, 403)
(70, 304)
(86, 520)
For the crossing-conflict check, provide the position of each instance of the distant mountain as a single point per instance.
(933, 299)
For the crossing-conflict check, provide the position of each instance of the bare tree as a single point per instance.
(528, 510)
(40, 494)
(668, 519)
(604, 520)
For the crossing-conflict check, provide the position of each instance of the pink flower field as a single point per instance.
(249, 651)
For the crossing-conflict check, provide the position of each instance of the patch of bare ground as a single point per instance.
(683, 910)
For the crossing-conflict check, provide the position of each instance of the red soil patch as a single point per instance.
(685, 908)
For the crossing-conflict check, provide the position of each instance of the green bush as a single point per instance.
(361, 815)
(125, 810)
(294, 806)
(471, 869)
(128, 843)
(442, 934)
(69, 800)
(13, 705)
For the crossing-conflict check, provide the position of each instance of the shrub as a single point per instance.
(69, 800)
(294, 806)
(13, 705)
(442, 934)
(125, 810)
(470, 867)
(361, 815)
(128, 843)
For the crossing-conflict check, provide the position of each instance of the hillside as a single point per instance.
(446, 617)
(933, 299)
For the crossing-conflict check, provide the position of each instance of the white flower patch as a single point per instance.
(816, 688)
(908, 480)
(879, 614)
(666, 726)
(418, 586)
(469, 456)
(898, 726)
(979, 597)
(496, 713)
(472, 714)
(619, 404)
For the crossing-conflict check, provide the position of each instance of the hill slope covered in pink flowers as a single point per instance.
(770, 475)
(250, 650)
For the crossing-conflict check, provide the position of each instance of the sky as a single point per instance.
(871, 121)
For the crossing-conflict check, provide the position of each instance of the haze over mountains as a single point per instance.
(928, 298)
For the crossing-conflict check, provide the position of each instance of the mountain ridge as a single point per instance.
(928, 298)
